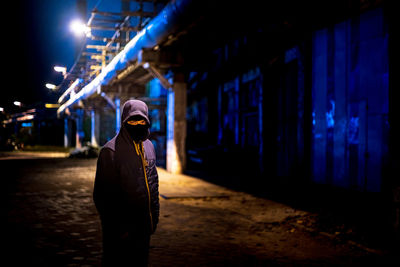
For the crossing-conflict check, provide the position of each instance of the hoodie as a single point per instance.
(126, 183)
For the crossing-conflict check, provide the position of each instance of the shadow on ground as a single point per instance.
(346, 215)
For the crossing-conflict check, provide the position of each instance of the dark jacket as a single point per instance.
(127, 200)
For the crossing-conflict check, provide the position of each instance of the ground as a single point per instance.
(52, 221)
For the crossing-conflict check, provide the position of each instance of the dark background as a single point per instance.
(36, 38)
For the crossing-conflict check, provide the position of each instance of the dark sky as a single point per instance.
(36, 38)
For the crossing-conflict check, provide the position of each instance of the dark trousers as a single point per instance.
(130, 249)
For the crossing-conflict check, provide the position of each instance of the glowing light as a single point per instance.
(17, 103)
(51, 86)
(48, 105)
(63, 70)
(79, 28)
(117, 114)
(26, 118)
(1, 109)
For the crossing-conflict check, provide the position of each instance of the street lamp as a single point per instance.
(79, 28)
(61, 69)
(51, 86)
(1, 109)
(17, 103)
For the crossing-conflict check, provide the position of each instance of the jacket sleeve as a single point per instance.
(155, 201)
(153, 181)
(104, 183)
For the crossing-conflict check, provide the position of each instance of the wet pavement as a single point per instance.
(52, 221)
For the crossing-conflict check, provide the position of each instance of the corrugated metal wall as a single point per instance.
(350, 102)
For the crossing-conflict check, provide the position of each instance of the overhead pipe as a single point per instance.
(174, 14)
(70, 90)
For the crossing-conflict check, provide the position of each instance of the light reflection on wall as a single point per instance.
(350, 102)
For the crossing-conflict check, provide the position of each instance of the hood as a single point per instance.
(133, 108)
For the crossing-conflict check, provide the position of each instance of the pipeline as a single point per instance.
(167, 22)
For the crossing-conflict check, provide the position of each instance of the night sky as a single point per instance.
(37, 38)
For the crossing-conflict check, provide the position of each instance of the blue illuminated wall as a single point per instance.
(157, 96)
(154, 90)
(350, 102)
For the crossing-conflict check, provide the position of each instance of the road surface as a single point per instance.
(52, 221)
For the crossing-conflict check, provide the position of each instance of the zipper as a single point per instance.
(140, 151)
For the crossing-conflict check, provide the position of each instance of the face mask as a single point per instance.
(137, 132)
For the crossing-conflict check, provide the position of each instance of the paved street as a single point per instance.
(52, 221)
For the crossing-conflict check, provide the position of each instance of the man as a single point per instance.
(126, 190)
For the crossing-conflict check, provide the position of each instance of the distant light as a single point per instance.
(49, 105)
(146, 65)
(79, 28)
(26, 118)
(1, 109)
(17, 103)
(63, 70)
(51, 86)
(26, 124)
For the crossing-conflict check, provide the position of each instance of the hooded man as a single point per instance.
(126, 190)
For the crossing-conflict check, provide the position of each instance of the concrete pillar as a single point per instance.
(95, 128)
(67, 143)
(117, 114)
(176, 126)
(79, 128)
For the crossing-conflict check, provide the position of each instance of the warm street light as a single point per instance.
(61, 69)
(50, 105)
(79, 28)
(51, 86)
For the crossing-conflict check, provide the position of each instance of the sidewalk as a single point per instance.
(213, 226)
(52, 221)
(7, 155)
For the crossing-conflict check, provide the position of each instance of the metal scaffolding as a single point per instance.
(108, 34)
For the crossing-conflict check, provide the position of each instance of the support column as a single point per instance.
(176, 126)
(95, 128)
(66, 133)
(79, 128)
(117, 114)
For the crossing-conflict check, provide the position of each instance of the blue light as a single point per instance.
(330, 115)
(353, 130)
(313, 118)
(350, 102)
(117, 114)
